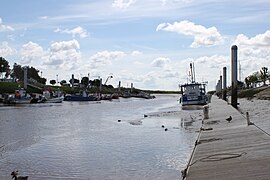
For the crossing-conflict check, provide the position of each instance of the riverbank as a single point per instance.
(258, 93)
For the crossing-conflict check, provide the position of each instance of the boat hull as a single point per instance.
(194, 100)
(80, 98)
(55, 100)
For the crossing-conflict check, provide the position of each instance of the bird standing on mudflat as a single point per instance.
(14, 175)
(229, 119)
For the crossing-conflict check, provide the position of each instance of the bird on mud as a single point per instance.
(229, 119)
(14, 175)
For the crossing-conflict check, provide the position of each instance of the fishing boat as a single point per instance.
(20, 97)
(82, 96)
(52, 97)
(193, 93)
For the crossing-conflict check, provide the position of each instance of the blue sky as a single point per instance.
(149, 43)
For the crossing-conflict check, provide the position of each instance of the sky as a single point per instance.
(149, 43)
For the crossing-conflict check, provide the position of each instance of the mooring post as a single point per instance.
(248, 121)
(234, 76)
(72, 81)
(25, 77)
(224, 91)
(206, 112)
(220, 86)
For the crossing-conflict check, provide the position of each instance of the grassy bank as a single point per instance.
(251, 93)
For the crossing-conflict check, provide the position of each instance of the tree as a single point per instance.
(4, 66)
(252, 79)
(264, 74)
(75, 81)
(247, 81)
(95, 82)
(63, 82)
(53, 82)
(17, 71)
(85, 81)
(43, 80)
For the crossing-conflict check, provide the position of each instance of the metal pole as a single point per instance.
(119, 86)
(72, 81)
(25, 77)
(220, 86)
(234, 76)
(100, 87)
(224, 92)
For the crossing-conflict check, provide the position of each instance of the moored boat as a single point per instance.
(20, 97)
(193, 93)
(52, 97)
(82, 96)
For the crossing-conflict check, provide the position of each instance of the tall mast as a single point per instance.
(191, 72)
(194, 73)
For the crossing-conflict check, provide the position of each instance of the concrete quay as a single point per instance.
(229, 150)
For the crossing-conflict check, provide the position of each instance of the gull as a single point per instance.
(14, 175)
(229, 119)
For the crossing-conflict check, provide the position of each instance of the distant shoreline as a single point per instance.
(10, 87)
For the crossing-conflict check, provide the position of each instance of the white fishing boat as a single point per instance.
(52, 97)
(193, 93)
(20, 97)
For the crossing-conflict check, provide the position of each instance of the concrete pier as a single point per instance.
(229, 150)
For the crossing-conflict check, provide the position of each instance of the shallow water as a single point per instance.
(76, 140)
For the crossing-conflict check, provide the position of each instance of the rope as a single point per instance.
(218, 157)
(261, 129)
(184, 171)
(251, 123)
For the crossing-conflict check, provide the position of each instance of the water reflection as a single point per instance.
(85, 140)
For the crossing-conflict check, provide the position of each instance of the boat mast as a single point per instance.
(192, 72)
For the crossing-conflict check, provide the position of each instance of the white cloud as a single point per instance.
(161, 62)
(105, 57)
(31, 52)
(257, 46)
(136, 53)
(5, 28)
(165, 2)
(76, 31)
(64, 54)
(254, 52)
(260, 40)
(43, 17)
(122, 4)
(5, 49)
(202, 36)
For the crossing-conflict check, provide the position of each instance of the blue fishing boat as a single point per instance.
(81, 96)
(193, 93)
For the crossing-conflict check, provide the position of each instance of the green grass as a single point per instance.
(248, 93)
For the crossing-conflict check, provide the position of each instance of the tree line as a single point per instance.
(257, 77)
(17, 73)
